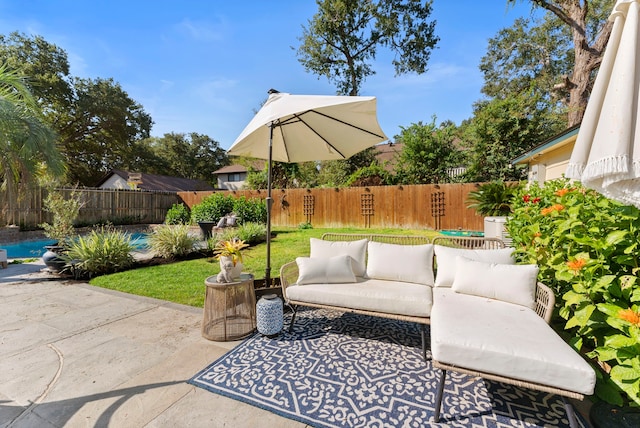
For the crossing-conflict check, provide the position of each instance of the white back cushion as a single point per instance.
(357, 250)
(446, 261)
(324, 270)
(405, 263)
(508, 283)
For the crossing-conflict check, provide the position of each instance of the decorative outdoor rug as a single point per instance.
(348, 370)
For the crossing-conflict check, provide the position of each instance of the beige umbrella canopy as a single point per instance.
(606, 156)
(303, 128)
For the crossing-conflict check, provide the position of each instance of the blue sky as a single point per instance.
(205, 66)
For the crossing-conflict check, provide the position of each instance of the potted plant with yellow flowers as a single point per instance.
(229, 253)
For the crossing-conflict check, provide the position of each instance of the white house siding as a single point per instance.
(115, 182)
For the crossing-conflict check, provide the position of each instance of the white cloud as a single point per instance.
(202, 30)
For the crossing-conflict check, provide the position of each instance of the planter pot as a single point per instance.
(206, 227)
(52, 259)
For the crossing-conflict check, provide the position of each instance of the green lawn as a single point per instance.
(183, 282)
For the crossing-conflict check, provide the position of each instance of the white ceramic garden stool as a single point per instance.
(269, 315)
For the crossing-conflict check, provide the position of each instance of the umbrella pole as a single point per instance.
(267, 272)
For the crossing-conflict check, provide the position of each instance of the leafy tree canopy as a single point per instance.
(101, 129)
(193, 155)
(503, 129)
(27, 144)
(336, 173)
(342, 39)
(96, 121)
(427, 153)
(579, 25)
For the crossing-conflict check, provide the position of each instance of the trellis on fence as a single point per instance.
(424, 206)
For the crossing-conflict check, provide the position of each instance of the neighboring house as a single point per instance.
(118, 179)
(233, 177)
(549, 160)
(387, 154)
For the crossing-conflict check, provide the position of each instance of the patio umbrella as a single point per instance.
(303, 128)
(606, 156)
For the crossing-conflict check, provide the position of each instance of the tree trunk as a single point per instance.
(587, 58)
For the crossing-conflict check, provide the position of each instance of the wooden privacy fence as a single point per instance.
(99, 205)
(425, 206)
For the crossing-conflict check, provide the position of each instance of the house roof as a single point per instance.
(387, 153)
(162, 183)
(552, 143)
(230, 169)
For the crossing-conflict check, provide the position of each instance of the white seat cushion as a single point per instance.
(509, 283)
(446, 261)
(325, 270)
(357, 250)
(401, 298)
(504, 339)
(404, 263)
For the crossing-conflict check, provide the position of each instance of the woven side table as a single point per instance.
(229, 309)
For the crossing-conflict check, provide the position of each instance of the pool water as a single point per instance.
(28, 249)
(462, 233)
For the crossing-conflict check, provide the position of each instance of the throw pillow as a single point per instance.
(324, 270)
(446, 261)
(405, 263)
(509, 283)
(357, 250)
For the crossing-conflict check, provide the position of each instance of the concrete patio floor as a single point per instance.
(74, 355)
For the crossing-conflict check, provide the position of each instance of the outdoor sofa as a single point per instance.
(389, 276)
(489, 317)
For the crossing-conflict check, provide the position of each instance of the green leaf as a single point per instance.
(604, 281)
(581, 317)
(609, 392)
(627, 281)
(619, 341)
(573, 298)
(625, 372)
(610, 309)
(606, 353)
(615, 237)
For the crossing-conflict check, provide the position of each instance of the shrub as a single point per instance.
(212, 208)
(252, 210)
(587, 248)
(64, 213)
(102, 251)
(178, 214)
(492, 199)
(305, 225)
(251, 233)
(372, 175)
(171, 241)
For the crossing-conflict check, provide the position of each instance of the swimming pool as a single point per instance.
(28, 249)
(462, 233)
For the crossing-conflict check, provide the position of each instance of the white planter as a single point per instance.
(236, 270)
(3, 259)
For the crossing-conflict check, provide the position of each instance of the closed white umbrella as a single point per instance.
(606, 156)
(303, 128)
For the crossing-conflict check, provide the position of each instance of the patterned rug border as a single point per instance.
(241, 397)
(501, 411)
